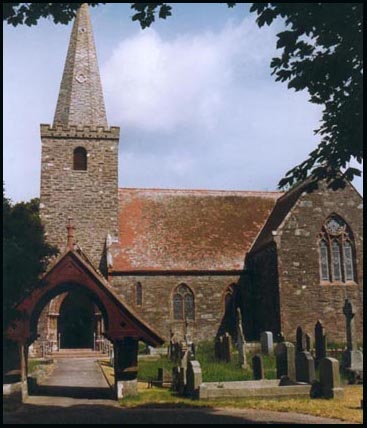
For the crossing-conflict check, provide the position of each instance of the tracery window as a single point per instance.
(80, 159)
(183, 303)
(336, 251)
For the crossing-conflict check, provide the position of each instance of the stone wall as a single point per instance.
(90, 197)
(303, 297)
(262, 293)
(157, 305)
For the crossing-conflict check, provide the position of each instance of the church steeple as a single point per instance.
(80, 99)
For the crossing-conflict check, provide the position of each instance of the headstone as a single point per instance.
(164, 377)
(320, 342)
(241, 343)
(352, 358)
(175, 379)
(266, 340)
(285, 360)
(218, 347)
(182, 380)
(330, 378)
(308, 342)
(227, 348)
(305, 367)
(194, 378)
(193, 350)
(258, 367)
(300, 340)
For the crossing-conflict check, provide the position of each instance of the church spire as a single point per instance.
(80, 99)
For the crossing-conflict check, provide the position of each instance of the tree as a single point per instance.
(25, 252)
(321, 51)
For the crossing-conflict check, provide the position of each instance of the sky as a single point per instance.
(193, 96)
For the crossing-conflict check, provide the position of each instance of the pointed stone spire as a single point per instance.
(80, 99)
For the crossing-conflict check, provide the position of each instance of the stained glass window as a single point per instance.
(177, 307)
(348, 261)
(183, 303)
(337, 253)
(337, 273)
(324, 261)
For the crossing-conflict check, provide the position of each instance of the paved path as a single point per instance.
(77, 393)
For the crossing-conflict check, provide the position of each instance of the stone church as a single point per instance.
(182, 261)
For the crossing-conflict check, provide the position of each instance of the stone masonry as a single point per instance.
(157, 301)
(90, 197)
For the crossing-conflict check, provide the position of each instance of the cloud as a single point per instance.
(160, 85)
(202, 110)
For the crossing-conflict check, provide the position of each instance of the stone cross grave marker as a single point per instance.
(349, 313)
(241, 343)
(352, 359)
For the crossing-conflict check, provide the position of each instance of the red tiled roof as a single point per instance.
(184, 230)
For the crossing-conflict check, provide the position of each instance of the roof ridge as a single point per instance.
(202, 190)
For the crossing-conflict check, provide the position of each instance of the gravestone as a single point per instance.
(227, 348)
(320, 342)
(305, 367)
(241, 343)
(182, 380)
(164, 377)
(193, 378)
(285, 360)
(330, 378)
(175, 379)
(308, 342)
(218, 348)
(266, 340)
(352, 359)
(258, 367)
(300, 340)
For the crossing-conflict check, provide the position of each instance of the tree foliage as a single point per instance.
(321, 51)
(25, 252)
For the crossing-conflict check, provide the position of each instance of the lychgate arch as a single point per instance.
(123, 327)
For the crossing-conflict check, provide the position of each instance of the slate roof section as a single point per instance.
(188, 230)
(80, 100)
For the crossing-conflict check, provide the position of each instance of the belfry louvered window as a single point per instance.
(183, 303)
(80, 159)
(336, 251)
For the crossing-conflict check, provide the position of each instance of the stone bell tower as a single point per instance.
(79, 165)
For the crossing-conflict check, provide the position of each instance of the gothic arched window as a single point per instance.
(336, 251)
(80, 159)
(183, 303)
(138, 294)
